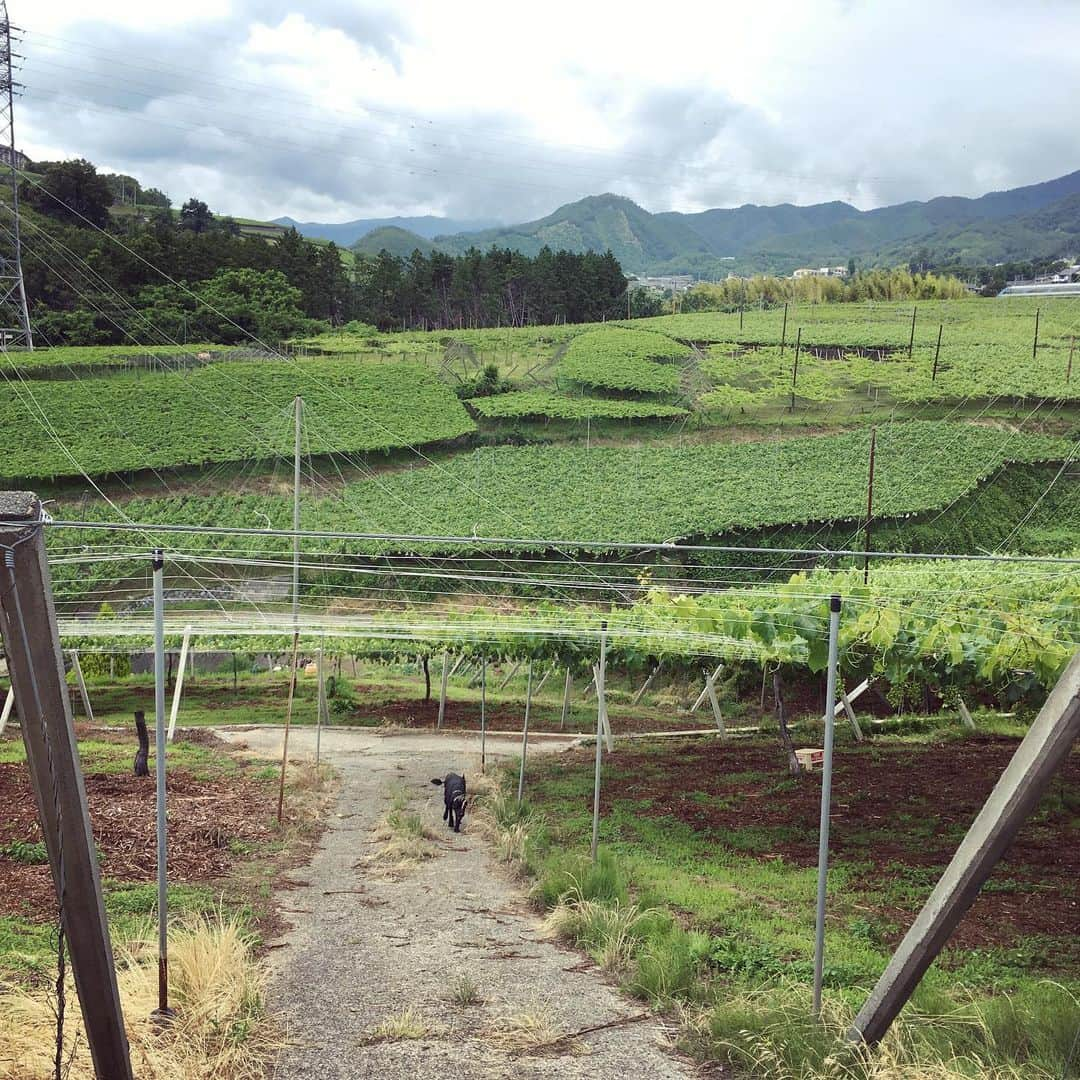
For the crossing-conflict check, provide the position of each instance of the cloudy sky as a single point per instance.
(330, 111)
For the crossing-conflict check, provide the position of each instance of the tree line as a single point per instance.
(191, 275)
(898, 284)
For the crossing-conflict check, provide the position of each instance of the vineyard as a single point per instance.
(545, 403)
(224, 412)
(623, 360)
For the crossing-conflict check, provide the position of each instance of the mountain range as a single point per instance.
(1036, 221)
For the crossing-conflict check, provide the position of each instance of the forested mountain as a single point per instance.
(347, 233)
(175, 277)
(392, 239)
(1035, 221)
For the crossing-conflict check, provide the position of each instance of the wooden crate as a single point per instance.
(810, 758)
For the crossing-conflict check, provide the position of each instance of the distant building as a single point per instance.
(17, 158)
(821, 271)
(1030, 288)
(674, 282)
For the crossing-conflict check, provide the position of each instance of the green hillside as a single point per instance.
(400, 242)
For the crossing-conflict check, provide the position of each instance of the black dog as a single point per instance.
(454, 797)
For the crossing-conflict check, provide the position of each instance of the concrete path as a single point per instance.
(364, 947)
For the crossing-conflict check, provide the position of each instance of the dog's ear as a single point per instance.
(436, 782)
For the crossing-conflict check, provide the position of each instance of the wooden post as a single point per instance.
(911, 340)
(1072, 349)
(525, 733)
(645, 686)
(795, 368)
(513, 671)
(35, 663)
(9, 701)
(710, 687)
(937, 352)
(705, 692)
(178, 689)
(442, 689)
(1026, 778)
(142, 755)
(460, 660)
(82, 685)
(853, 720)
(869, 508)
(783, 333)
(544, 678)
(965, 716)
(288, 723)
(566, 700)
(1035, 342)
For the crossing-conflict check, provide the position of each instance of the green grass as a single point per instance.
(706, 925)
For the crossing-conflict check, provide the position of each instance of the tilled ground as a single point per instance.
(207, 816)
(896, 809)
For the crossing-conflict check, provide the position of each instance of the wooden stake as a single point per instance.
(645, 686)
(442, 689)
(288, 722)
(783, 333)
(178, 689)
(82, 685)
(965, 716)
(544, 678)
(9, 701)
(937, 352)
(705, 693)
(32, 647)
(911, 340)
(513, 671)
(1035, 342)
(1072, 349)
(1044, 749)
(710, 686)
(566, 700)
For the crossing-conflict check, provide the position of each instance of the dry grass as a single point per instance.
(406, 1024)
(533, 1030)
(220, 1030)
(606, 931)
(403, 837)
(465, 992)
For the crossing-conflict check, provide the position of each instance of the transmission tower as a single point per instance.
(14, 315)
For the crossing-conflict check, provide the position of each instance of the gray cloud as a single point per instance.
(950, 116)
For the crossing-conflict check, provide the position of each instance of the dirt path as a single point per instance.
(365, 947)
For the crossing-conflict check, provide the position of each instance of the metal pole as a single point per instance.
(826, 796)
(869, 508)
(288, 724)
(163, 1009)
(937, 352)
(483, 713)
(599, 732)
(525, 732)
(298, 407)
(795, 369)
(320, 712)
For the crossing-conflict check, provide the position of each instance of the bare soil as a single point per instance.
(896, 809)
(206, 816)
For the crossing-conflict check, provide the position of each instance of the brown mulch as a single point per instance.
(897, 811)
(204, 817)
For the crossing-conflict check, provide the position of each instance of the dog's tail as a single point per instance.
(437, 783)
